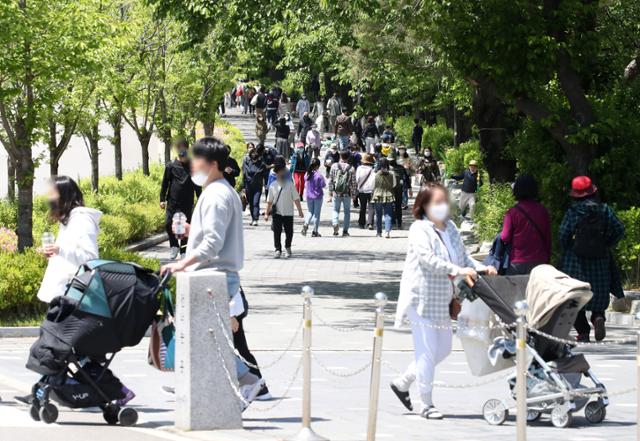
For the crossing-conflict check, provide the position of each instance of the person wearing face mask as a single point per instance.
(177, 194)
(429, 170)
(216, 240)
(280, 203)
(253, 174)
(436, 257)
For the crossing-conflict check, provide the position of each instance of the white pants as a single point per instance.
(467, 203)
(430, 346)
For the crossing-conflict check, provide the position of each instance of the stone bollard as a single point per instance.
(205, 399)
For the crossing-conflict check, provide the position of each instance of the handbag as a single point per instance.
(162, 344)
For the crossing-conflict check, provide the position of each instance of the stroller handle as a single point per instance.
(165, 279)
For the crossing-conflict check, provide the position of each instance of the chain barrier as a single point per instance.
(279, 401)
(245, 361)
(577, 343)
(443, 385)
(337, 373)
(345, 329)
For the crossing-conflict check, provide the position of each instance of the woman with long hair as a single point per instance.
(77, 239)
(314, 192)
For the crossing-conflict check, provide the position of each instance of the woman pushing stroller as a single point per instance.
(435, 256)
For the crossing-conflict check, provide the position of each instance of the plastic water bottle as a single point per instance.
(179, 221)
(47, 238)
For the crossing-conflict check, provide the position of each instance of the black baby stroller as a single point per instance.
(554, 373)
(108, 305)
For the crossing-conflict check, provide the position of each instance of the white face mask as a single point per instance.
(200, 178)
(439, 212)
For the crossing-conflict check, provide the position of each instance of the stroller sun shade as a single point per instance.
(89, 292)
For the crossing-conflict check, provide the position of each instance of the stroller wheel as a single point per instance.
(495, 412)
(595, 412)
(34, 412)
(561, 417)
(533, 415)
(128, 416)
(48, 413)
(110, 415)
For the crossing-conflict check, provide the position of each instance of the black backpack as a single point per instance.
(590, 237)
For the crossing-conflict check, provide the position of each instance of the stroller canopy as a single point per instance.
(548, 289)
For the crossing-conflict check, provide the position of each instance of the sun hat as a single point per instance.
(581, 186)
(368, 159)
(473, 162)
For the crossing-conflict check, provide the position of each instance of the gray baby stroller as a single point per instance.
(554, 373)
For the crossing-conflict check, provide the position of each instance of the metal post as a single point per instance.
(374, 388)
(521, 370)
(638, 385)
(306, 433)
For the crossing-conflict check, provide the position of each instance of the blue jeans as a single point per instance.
(383, 209)
(338, 202)
(343, 142)
(314, 207)
(253, 199)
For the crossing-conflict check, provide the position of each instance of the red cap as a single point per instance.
(581, 186)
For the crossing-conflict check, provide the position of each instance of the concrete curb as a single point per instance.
(19, 332)
(219, 435)
(147, 243)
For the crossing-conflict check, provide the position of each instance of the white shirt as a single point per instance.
(283, 201)
(78, 243)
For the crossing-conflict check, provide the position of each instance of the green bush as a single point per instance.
(457, 159)
(493, 202)
(628, 250)
(232, 136)
(403, 127)
(19, 283)
(439, 137)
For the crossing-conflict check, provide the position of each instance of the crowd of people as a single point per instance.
(375, 173)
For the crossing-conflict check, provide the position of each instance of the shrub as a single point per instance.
(8, 240)
(439, 137)
(403, 127)
(493, 202)
(19, 283)
(457, 159)
(628, 250)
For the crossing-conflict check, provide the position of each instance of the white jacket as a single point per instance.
(425, 284)
(78, 243)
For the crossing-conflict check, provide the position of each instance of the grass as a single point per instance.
(21, 320)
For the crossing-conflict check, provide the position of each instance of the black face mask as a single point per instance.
(54, 205)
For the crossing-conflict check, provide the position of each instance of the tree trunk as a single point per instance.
(11, 179)
(145, 137)
(165, 129)
(24, 177)
(94, 153)
(116, 124)
(208, 128)
(54, 159)
(489, 114)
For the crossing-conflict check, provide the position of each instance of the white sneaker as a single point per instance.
(173, 252)
(250, 391)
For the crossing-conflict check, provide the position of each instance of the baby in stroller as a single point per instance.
(107, 306)
(554, 372)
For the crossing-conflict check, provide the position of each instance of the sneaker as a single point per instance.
(431, 413)
(583, 338)
(250, 391)
(287, 253)
(345, 234)
(277, 254)
(387, 235)
(128, 396)
(370, 227)
(403, 396)
(264, 394)
(378, 234)
(169, 390)
(316, 234)
(26, 399)
(305, 228)
(336, 230)
(173, 252)
(182, 255)
(600, 332)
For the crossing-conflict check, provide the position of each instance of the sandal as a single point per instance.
(404, 397)
(431, 413)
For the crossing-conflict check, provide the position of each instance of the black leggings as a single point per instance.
(240, 343)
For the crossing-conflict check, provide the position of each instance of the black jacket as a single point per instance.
(370, 131)
(253, 173)
(303, 128)
(470, 181)
(235, 171)
(177, 188)
(282, 130)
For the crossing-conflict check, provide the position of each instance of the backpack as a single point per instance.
(590, 237)
(342, 180)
